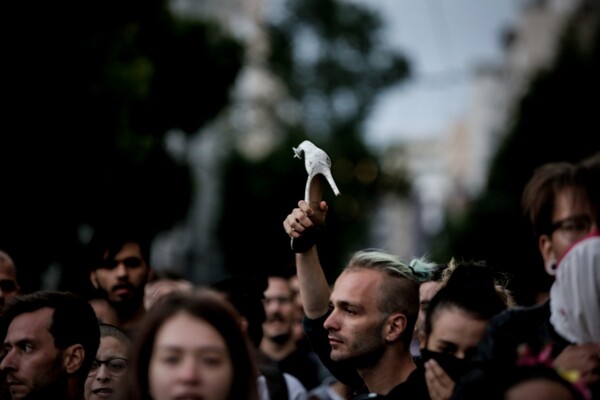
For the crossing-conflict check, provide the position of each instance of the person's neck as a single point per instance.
(391, 370)
(129, 317)
(277, 351)
(72, 389)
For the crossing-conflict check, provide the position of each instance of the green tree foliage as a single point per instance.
(556, 120)
(332, 60)
(89, 90)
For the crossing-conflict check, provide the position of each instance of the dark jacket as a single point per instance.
(509, 335)
(516, 327)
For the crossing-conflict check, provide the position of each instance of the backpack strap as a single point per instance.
(276, 383)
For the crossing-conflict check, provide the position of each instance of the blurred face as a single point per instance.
(190, 359)
(538, 389)
(155, 290)
(123, 277)
(104, 312)
(8, 281)
(104, 382)
(31, 363)
(280, 311)
(455, 333)
(573, 218)
(426, 292)
(298, 329)
(356, 325)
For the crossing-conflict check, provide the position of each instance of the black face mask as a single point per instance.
(456, 368)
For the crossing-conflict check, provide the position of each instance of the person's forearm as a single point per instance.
(314, 288)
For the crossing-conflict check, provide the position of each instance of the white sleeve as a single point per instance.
(263, 392)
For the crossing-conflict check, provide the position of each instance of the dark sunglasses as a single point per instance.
(8, 285)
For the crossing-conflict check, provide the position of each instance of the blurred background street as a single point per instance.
(180, 116)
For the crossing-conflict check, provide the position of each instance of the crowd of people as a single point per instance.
(386, 328)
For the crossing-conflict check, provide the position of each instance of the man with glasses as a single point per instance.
(278, 347)
(105, 379)
(561, 201)
(49, 340)
(8, 280)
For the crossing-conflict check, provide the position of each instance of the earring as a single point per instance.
(551, 267)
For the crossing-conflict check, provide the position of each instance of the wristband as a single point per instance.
(308, 239)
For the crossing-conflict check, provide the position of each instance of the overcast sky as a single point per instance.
(444, 40)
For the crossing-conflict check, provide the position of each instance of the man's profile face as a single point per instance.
(356, 324)
(123, 276)
(31, 361)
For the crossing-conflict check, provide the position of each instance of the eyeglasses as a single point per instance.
(116, 366)
(280, 300)
(573, 227)
(8, 285)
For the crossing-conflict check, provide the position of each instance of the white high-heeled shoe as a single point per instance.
(318, 166)
(317, 163)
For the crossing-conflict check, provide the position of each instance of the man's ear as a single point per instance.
(73, 358)
(244, 323)
(93, 279)
(547, 251)
(395, 326)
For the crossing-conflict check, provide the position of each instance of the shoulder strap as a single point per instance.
(275, 383)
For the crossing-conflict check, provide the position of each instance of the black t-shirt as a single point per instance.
(413, 388)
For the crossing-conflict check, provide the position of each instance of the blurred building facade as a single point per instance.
(451, 169)
(446, 171)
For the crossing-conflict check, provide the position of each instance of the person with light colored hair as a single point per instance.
(363, 328)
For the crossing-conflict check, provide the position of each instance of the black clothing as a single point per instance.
(518, 326)
(414, 388)
(276, 384)
(304, 365)
(507, 335)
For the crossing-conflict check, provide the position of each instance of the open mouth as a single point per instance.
(103, 392)
(122, 290)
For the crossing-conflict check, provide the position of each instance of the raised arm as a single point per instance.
(312, 282)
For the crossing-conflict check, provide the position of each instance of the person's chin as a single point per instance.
(337, 355)
(18, 391)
